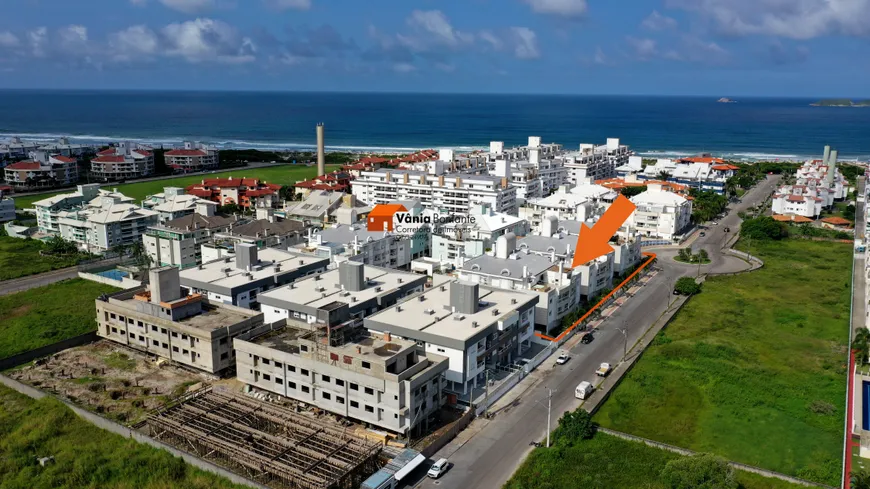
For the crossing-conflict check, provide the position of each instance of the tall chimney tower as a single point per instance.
(321, 154)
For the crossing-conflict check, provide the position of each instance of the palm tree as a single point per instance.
(685, 255)
(860, 344)
(703, 256)
(860, 479)
(140, 257)
(663, 175)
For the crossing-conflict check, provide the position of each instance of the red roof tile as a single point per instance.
(24, 165)
(837, 221)
(64, 159)
(108, 159)
(107, 152)
(186, 152)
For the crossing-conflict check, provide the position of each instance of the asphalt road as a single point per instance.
(25, 283)
(491, 456)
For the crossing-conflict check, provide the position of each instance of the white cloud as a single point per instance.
(600, 58)
(525, 43)
(189, 6)
(289, 4)
(8, 40)
(207, 40)
(491, 39)
(404, 68)
(139, 3)
(563, 8)
(796, 19)
(658, 22)
(38, 39)
(73, 38)
(642, 49)
(132, 42)
(435, 25)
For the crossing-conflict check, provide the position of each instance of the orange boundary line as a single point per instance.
(652, 256)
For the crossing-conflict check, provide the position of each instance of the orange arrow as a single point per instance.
(593, 242)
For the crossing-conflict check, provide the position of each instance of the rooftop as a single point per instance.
(512, 268)
(366, 346)
(262, 228)
(197, 221)
(223, 273)
(213, 316)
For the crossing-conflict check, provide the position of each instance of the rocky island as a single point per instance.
(841, 102)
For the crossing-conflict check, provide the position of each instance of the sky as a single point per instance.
(802, 48)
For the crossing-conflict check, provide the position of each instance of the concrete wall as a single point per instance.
(126, 432)
(29, 356)
(125, 283)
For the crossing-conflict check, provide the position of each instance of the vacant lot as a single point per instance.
(606, 462)
(20, 257)
(284, 175)
(46, 315)
(108, 379)
(753, 368)
(84, 456)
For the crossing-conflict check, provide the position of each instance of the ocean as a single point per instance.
(752, 128)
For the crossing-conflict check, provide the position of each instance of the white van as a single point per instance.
(438, 468)
(583, 390)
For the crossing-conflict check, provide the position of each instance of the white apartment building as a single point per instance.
(581, 203)
(375, 248)
(42, 171)
(264, 233)
(192, 157)
(172, 322)
(123, 161)
(704, 172)
(380, 380)
(15, 147)
(818, 184)
(464, 240)
(475, 327)
(48, 209)
(443, 192)
(64, 148)
(596, 162)
(179, 242)
(660, 214)
(240, 280)
(108, 221)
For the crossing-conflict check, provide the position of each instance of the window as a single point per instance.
(185, 352)
(326, 395)
(153, 328)
(113, 315)
(224, 355)
(267, 377)
(354, 404)
(279, 380)
(291, 385)
(174, 334)
(305, 389)
(265, 361)
(325, 378)
(114, 330)
(369, 409)
(369, 391)
(163, 330)
(155, 342)
(139, 323)
(165, 345)
(183, 336)
(339, 399)
(141, 338)
(339, 382)
(354, 387)
(291, 368)
(223, 341)
(278, 365)
(303, 372)
(366, 365)
(175, 349)
(303, 348)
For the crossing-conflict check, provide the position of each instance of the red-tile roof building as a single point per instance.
(193, 157)
(337, 181)
(126, 160)
(246, 192)
(44, 171)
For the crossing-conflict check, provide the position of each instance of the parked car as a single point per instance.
(727, 230)
(583, 390)
(587, 338)
(603, 370)
(438, 468)
(702, 234)
(563, 359)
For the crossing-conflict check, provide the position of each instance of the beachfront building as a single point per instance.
(178, 242)
(478, 328)
(660, 214)
(64, 148)
(355, 242)
(121, 162)
(42, 171)
(48, 209)
(15, 147)
(170, 321)
(244, 192)
(703, 172)
(337, 181)
(173, 203)
(595, 162)
(382, 381)
(108, 221)
(632, 181)
(192, 157)
(580, 203)
(322, 207)
(240, 280)
(446, 193)
(453, 243)
(818, 184)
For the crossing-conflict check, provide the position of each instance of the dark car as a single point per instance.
(586, 339)
(703, 234)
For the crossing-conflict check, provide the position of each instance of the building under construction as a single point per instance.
(264, 442)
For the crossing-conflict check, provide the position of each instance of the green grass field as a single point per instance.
(20, 257)
(752, 369)
(84, 455)
(606, 462)
(45, 315)
(284, 175)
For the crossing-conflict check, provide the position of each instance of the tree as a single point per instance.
(703, 256)
(763, 228)
(859, 479)
(230, 209)
(574, 427)
(629, 192)
(699, 472)
(287, 192)
(731, 186)
(663, 175)
(59, 246)
(860, 345)
(685, 254)
(849, 212)
(140, 257)
(687, 286)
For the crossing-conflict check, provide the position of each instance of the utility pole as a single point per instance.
(549, 410)
(625, 342)
(486, 396)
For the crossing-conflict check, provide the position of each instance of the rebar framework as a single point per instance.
(264, 442)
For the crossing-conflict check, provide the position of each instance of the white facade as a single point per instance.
(7, 209)
(818, 184)
(660, 214)
(123, 161)
(596, 162)
(380, 249)
(192, 157)
(43, 171)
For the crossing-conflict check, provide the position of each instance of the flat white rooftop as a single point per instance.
(224, 274)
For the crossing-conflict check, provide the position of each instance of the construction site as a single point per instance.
(267, 443)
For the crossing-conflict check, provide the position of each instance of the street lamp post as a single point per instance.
(549, 411)
(625, 342)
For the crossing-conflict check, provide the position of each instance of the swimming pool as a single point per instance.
(114, 274)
